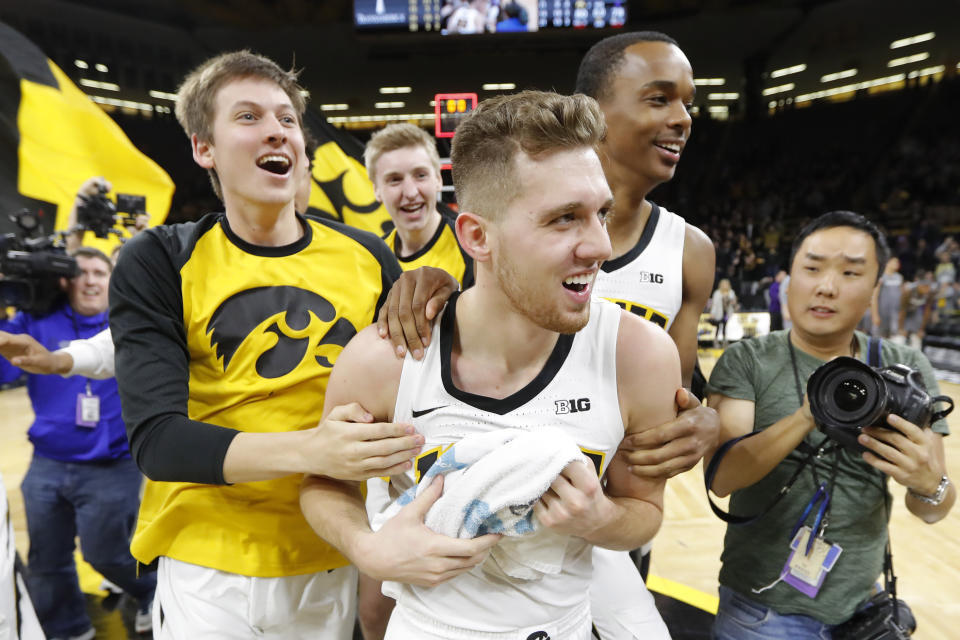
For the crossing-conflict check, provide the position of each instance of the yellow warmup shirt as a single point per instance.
(214, 336)
(442, 251)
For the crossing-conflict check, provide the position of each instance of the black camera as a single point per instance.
(846, 395)
(32, 267)
(879, 619)
(99, 214)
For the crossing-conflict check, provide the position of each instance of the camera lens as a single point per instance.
(850, 395)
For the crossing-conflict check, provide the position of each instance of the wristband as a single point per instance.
(938, 495)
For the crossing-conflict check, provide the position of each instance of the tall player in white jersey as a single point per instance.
(662, 269)
(534, 201)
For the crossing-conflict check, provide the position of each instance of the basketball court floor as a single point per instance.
(686, 551)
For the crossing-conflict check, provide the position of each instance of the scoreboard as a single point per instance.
(434, 16)
(449, 109)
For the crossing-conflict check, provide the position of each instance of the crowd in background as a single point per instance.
(765, 182)
(750, 185)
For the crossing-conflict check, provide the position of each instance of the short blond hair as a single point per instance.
(398, 135)
(535, 122)
(196, 97)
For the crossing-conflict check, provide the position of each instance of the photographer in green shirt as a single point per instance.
(767, 590)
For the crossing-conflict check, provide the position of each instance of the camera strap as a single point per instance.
(809, 452)
(875, 360)
(711, 472)
(889, 577)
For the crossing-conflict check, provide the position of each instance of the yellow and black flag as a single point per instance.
(53, 137)
(341, 189)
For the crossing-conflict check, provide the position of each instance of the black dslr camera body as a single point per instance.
(32, 267)
(846, 395)
(881, 618)
(99, 214)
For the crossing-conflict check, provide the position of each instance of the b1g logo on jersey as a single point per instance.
(649, 276)
(572, 406)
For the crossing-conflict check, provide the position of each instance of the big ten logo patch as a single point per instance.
(646, 313)
(575, 405)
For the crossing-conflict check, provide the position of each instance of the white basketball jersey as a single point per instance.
(575, 391)
(648, 279)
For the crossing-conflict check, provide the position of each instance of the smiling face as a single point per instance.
(407, 184)
(549, 243)
(831, 282)
(87, 292)
(257, 146)
(646, 106)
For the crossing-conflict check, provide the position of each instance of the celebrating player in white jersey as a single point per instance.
(524, 343)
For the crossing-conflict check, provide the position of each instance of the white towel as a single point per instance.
(492, 482)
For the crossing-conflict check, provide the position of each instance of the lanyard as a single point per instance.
(824, 490)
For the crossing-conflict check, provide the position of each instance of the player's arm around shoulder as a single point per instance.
(365, 374)
(347, 444)
(679, 444)
(627, 512)
(356, 439)
(648, 376)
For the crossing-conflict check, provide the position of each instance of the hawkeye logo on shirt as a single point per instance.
(649, 313)
(293, 310)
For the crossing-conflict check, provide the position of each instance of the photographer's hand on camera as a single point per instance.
(914, 457)
(90, 187)
(141, 221)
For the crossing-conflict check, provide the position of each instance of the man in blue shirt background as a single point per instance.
(81, 481)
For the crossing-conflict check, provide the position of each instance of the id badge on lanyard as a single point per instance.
(88, 409)
(811, 557)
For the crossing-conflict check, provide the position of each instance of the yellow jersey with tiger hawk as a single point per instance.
(442, 251)
(214, 336)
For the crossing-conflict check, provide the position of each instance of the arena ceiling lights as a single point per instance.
(786, 71)
(499, 86)
(339, 106)
(929, 71)
(163, 95)
(421, 118)
(129, 104)
(906, 42)
(391, 90)
(723, 96)
(779, 89)
(709, 82)
(96, 84)
(917, 57)
(848, 88)
(389, 105)
(839, 75)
